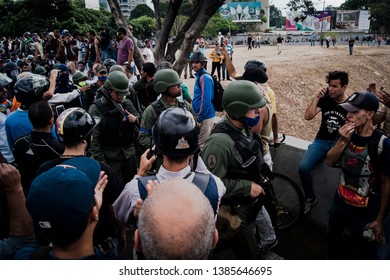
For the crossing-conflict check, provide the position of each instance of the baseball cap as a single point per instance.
(254, 74)
(60, 200)
(254, 63)
(51, 34)
(101, 68)
(361, 100)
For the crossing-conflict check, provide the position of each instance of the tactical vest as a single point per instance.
(250, 148)
(159, 107)
(359, 168)
(114, 131)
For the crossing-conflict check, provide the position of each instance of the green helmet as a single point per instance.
(78, 77)
(119, 82)
(241, 96)
(4, 80)
(164, 79)
(11, 66)
(40, 70)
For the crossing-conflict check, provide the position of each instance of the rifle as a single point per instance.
(118, 107)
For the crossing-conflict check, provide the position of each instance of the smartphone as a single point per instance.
(327, 92)
(59, 109)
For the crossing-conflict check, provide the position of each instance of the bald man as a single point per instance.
(182, 230)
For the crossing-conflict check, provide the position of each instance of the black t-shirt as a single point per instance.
(333, 117)
(33, 149)
(106, 225)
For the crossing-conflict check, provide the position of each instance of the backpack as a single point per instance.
(205, 182)
(218, 93)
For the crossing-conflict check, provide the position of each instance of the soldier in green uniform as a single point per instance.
(113, 139)
(242, 102)
(168, 83)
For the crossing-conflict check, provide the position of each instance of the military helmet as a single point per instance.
(176, 133)
(78, 77)
(198, 56)
(119, 82)
(164, 79)
(241, 96)
(11, 66)
(116, 67)
(40, 70)
(4, 80)
(30, 89)
(109, 62)
(253, 63)
(74, 125)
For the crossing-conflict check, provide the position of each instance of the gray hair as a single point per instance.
(176, 222)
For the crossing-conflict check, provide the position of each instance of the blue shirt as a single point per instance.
(18, 124)
(203, 96)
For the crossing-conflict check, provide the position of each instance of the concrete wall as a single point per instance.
(325, 179)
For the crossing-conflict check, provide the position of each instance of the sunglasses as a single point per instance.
(195, 62)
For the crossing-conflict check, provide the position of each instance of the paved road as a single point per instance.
(305, 241)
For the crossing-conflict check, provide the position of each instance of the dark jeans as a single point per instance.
(342, 216)
(315, 153)
(216, 65)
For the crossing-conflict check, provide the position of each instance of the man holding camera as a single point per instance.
(333, 117)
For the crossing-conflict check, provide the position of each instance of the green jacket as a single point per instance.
(102, 153)
(221, 154)
(149, 119)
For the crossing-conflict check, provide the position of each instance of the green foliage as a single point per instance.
(354, 5)
(275, 14)
(143, 27)
(219, 24)
(142, 10)
(46, 15)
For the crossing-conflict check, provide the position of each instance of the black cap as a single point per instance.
(361, 100)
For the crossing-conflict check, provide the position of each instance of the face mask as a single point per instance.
(102, 78)
(251, 122)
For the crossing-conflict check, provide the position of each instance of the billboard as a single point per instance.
(353, 20)
(318, 21)
(241, 11)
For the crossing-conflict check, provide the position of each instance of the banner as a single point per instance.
(319, 21)
(241, 11)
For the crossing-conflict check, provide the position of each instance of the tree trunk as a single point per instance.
(120, 22)
(196, 23)
(202, 11)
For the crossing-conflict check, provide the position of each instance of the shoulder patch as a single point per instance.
(211, 161)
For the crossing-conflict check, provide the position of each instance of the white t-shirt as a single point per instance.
(148, 55)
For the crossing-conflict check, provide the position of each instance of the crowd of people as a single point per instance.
(93, 159)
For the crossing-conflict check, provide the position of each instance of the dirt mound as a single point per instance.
(299, 72)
